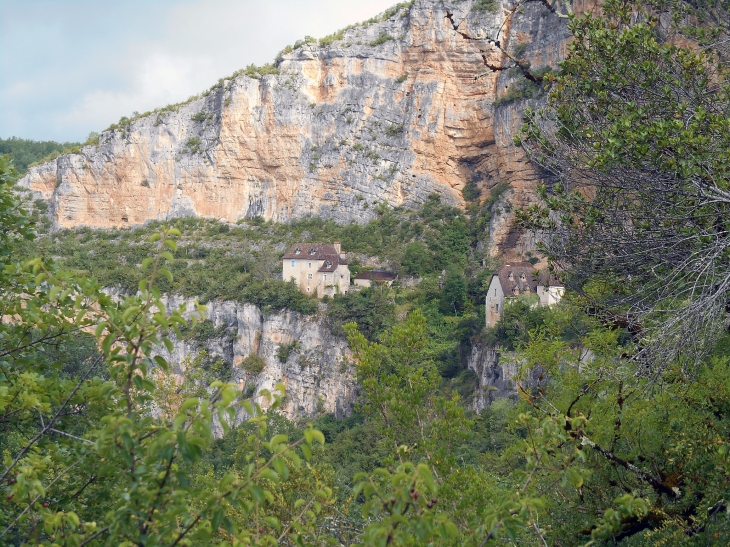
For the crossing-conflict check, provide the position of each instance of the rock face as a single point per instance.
(317, 373)
(391, 112)
(494, 377)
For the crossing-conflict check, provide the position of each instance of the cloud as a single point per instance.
(159, 80)
(77, 66)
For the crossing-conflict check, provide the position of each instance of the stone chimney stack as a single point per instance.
(337, 247)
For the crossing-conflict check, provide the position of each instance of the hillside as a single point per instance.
(389, 110)
(236, 269)
(26, 153)
(163, 381)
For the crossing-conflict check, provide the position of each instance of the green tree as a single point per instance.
(372, 309)
(87, 460)
(636, 140)
(453, 294)
(416, 259)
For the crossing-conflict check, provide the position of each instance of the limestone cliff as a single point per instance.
(316, 372)
(496, 374)
(392, 111)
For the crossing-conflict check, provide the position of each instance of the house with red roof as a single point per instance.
(520, 278)
(317, 268)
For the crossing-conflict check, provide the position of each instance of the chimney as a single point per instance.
(337, 247)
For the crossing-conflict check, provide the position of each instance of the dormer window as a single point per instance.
(297, 251)
(511, 276)
(312, 251)
(522, 277)
(328, 264)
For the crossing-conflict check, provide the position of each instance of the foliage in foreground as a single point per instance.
(635, 138)
(89, 458)
(103, 445)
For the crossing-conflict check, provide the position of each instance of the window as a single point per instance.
(309, 276)
(496, 307)
(325, 277)
(308, 289)
(292, 263)
(310, 265)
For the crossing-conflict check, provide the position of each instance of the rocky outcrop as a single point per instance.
(494, 378)
(316, 371)
(390, 112)
(497, 375)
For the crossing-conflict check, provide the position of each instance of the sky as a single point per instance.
(69, 67)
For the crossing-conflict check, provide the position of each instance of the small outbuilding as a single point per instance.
(514, 279)
(374, 277)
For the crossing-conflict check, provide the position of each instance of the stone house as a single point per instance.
(518, 278)
(374, 277)
(317, 267)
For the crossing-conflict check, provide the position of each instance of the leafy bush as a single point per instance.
(388, 13)
(522, 88)
(92, 139)
(192, 146)
(330, 38)
(394, 130)
(470, 192)
(519, 50)
(417, 259)
(257, 72)
(285, 350)
(253, 364)
(489, 6)
(381, 39)
(514, 326)
(453, 295)
(199, 116)
(372, 309)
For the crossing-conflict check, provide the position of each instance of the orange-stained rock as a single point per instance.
(340, 129)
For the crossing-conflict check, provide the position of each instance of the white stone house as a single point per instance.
(518, 278)
(318, 268)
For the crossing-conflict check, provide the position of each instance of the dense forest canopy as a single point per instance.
(26, 152)
(619, 428)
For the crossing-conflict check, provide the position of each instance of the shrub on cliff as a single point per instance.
(253, 364)
(372, 309)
